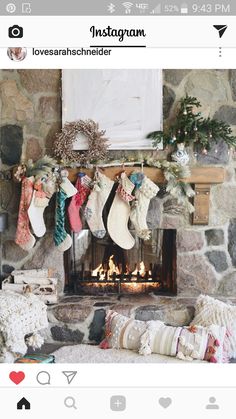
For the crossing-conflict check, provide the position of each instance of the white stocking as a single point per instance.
(95, 204)
(117, 223)
(138, 215)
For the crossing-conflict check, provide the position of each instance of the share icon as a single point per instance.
(70, 375)
(221, 29)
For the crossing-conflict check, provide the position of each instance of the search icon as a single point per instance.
(70, 402)
(43, 378)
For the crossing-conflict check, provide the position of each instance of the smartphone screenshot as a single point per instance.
(117, 209)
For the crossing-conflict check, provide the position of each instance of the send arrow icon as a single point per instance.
(70, 375)
(221, 29)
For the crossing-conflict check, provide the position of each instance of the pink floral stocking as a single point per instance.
(83, 184)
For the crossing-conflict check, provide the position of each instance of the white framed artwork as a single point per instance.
(127, 104)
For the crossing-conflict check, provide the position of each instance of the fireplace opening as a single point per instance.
(99, 266)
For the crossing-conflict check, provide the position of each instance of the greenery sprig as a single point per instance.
(175, 175)
(189, 127)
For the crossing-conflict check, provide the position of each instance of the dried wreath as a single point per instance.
(97, 143)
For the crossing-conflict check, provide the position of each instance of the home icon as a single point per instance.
(23, 404)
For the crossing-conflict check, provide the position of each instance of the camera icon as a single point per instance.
(15, 32)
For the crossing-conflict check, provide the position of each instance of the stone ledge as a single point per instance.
(87, 326)
(82, 319)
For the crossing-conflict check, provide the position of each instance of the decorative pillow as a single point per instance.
(210, 311)
(186, 343)
(122, 332)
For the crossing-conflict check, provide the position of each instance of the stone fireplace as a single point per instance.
(205, 253)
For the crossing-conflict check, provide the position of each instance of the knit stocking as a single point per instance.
(36, 210)
(68, 187)
(138, 215)
(24, 238)
(95, 204)
(117, 223)
(62, 240)
(83, 187)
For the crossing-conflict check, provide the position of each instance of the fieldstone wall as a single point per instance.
(30, 109)
(30, 115)
(206, 255)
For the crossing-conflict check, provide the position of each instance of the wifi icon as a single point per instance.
(221, 29)
(127, 5)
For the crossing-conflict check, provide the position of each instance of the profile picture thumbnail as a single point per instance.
(17, 54)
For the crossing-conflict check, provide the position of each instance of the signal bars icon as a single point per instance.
(156, 10)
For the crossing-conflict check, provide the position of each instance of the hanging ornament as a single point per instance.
(204, 151)
(195, 128)
(180, 155)
(185, 132)
(185, 111)
(173, 139)
(210, 135)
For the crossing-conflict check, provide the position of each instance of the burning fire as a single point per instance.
(113, 271)
(100, 272)
(112, 267)
(97, 271)
(141, 270)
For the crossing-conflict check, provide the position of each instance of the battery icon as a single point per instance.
(184, 8)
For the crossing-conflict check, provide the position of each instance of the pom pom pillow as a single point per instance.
(122, 332)
(186, 343)
(210, 311)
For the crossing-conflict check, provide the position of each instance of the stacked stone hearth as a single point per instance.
(206, 255)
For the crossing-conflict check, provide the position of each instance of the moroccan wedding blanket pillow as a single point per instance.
(186, 343)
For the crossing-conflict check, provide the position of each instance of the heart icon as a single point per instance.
(17, 377)
(165, 402)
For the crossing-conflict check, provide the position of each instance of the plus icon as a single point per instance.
(118, 403)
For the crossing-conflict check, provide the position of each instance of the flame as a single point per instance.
(141, 270)
(113, 269)
(102, 274)
(97, 270)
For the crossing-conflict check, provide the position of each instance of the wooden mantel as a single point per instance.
(201, 178)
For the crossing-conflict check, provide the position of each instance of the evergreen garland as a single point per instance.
(41, 167)
(190, 127)
(175, 175)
